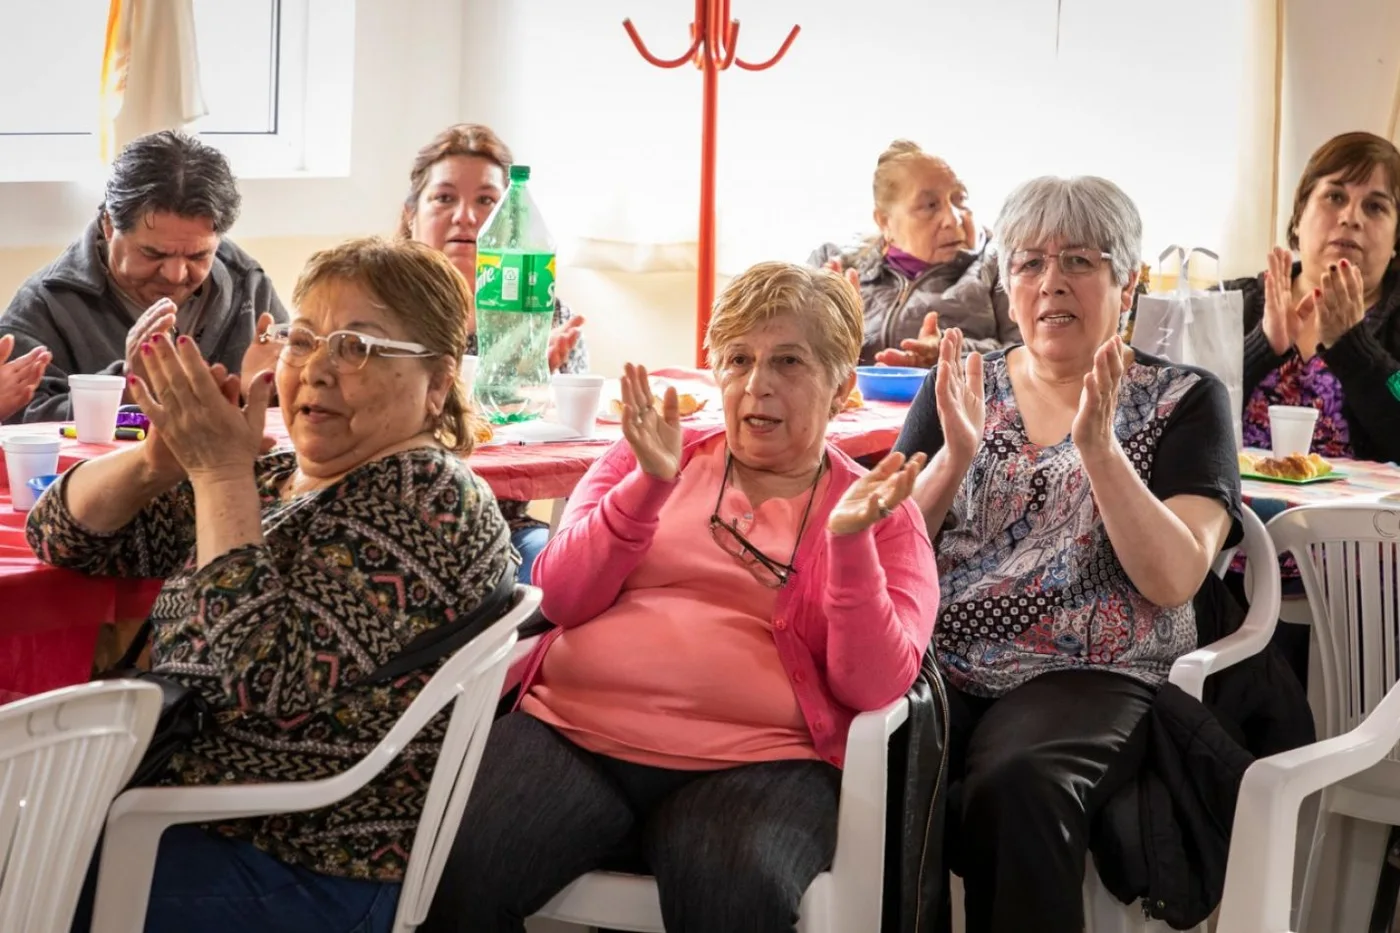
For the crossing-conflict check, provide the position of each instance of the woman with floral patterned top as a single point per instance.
(1079, 495)
(292, 576)
(457, 179)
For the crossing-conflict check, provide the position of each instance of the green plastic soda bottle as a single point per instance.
(514, 306)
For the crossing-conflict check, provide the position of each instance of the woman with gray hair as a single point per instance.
(1078, 496)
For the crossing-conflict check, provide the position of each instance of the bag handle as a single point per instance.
(1185, 270)
(1181, 262)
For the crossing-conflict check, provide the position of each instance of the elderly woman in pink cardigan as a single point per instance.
(727, 600)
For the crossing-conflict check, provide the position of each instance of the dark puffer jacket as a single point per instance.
(965, 292)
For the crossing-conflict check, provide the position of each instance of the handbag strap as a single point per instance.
(438, 642)
(442, 640)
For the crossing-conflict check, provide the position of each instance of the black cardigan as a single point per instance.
(1366, 360)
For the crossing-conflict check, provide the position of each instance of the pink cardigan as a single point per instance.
(851, 625)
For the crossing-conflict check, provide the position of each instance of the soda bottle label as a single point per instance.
(540, 294)
(515, 281)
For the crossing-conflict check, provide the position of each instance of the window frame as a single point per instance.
(314, 70)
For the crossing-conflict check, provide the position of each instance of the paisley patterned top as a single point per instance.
(276, 636)
(1030, 583)
(1307, 384)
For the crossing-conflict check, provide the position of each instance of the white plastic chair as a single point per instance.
(1104, 913)
(1259, 877)
(470, 680)
(1349, 557)
(63, 756)
(844, 899)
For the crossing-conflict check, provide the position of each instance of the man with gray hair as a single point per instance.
(153, 261)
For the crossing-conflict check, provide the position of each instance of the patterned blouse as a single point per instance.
(276, 636)
(515, 510)
(1030, 582)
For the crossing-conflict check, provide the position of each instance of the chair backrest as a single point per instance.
(1348, 555)
(63, 756)
(474, 676)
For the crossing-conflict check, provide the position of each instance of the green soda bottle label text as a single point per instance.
(515, 281)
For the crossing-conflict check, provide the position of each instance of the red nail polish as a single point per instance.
(182, 340)
(1317, 293)
(1346, 264)
(145, 349)
(131, 380)
(267, 377)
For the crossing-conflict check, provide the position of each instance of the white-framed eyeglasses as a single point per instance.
(349, 350)
(1078, 260)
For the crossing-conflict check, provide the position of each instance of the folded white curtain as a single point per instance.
(150, 71)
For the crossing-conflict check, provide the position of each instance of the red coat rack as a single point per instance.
(714, 42)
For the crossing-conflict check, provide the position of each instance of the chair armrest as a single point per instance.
(1190, 671)
(860, 824)
(1259, 871)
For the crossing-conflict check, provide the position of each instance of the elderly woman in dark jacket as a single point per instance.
(1324, 332)
(926, 270)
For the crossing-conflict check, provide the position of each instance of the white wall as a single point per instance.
(1343, 74)
(407, 84)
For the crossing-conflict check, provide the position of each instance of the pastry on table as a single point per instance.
(687, 403)
(1294, 466)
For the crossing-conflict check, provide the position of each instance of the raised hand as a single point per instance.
(961, 397)
(851, 275)
(920, 351)
(1092, 430)
(874, 497)
(261, 353)
(197, 418)
(159, 318)
(1342, 302)
(1286, 322)
(21, 376)
(562, 340)
(655, 436)
(159, 458)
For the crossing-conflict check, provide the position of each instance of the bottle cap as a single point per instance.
(520, 173)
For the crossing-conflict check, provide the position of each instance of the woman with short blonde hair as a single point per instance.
(727, 600)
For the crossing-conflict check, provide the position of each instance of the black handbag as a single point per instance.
(185, 714)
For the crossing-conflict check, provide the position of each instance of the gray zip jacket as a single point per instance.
(70, 307)
(965, 293)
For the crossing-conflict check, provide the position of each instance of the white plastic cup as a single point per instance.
(467, 373)
(28, 456)
(576, 400)
(95, 400)
(1291, 429)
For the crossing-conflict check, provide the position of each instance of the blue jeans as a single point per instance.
(216, 885)
(529, 542)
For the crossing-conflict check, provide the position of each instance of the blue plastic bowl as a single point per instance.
(890, 383)
(38, 484)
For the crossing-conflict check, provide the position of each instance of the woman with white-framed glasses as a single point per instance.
(1077, 496)
(727, 600)
(291, 576)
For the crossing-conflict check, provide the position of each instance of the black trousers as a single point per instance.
(1028, 772)
(733, 851)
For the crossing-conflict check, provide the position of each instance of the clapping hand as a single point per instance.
(1286, 323)
(920, 351)
(1092, 430)
(874, 497)
(1341, 302)
(19, 377)
(562, 340)
(197, 419)
(961, 397)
